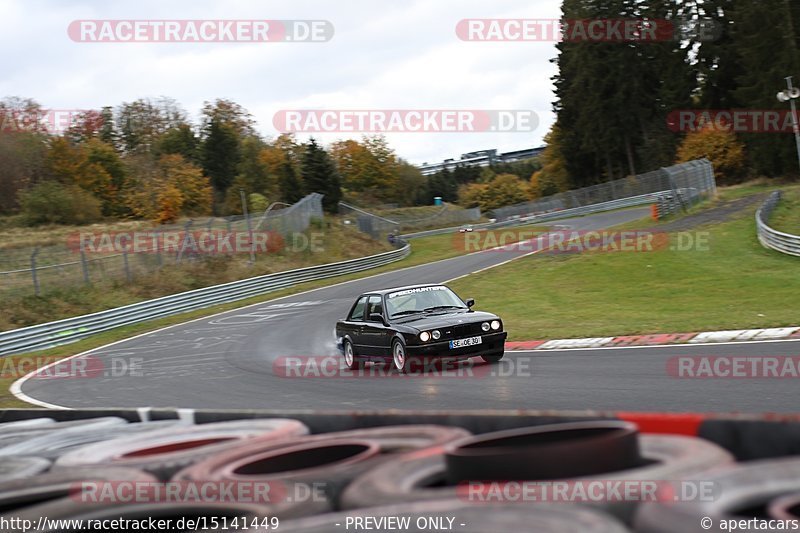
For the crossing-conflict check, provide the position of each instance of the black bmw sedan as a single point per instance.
(421, 321)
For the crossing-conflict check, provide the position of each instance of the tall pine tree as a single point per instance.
(320, 175)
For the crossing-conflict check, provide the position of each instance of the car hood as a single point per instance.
(444, 318)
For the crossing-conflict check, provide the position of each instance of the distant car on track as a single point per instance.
(466, 229)
(420, 321)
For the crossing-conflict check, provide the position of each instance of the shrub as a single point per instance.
(50, 202)
(718, 145)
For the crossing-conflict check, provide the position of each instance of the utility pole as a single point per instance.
(790, 95)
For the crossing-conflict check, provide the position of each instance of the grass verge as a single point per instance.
(732, 283)
(786, 217)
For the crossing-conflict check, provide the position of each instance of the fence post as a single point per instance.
(186, 230)
(249, 226)
(84, 265)
(33, 271)
(126, 265)
(159, 246)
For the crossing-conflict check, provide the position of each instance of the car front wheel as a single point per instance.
(399, 356)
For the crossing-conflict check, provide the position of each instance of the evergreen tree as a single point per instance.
(180, 140)
(290, 186)
(220, 156)
(766, 49)
(320, 175)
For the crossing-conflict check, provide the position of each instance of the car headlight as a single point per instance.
(424, 336)
(485, 326)
(495, 324)
(435, 334)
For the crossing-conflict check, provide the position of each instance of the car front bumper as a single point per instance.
(490, 343)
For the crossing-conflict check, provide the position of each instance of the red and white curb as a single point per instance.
(734, 335)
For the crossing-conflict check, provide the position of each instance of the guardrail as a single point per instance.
(52, 334)
(771, 238)
(554, 215)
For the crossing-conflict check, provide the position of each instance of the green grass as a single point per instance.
(436, 247)
(760, 185)
(786, 216)
(733, 284)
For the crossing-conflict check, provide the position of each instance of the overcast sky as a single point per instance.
(384, 55)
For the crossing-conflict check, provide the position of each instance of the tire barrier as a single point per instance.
(765, 488)
(13, 467)
(33, 422)
(545, 452)
(164, 452)
(327, 463)
(785, 508)
(59, 484)
(424, 475)
(413, 472)
(18, 433)
(53, 444)
(426, 517)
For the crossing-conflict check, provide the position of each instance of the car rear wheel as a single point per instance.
(350, 358)
(492, 358)
(399, 356)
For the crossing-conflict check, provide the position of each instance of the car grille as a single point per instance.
(461, 330)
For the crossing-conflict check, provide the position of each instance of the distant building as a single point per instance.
(481, 158)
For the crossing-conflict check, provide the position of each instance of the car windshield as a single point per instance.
(422, 299)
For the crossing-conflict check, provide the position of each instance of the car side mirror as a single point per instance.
(470, 302)
(377, 317)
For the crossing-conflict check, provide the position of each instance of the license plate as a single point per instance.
(462, 343)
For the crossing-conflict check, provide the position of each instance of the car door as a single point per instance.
(354, 325)
(375, 335)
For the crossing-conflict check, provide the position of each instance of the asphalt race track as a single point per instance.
(242, 359)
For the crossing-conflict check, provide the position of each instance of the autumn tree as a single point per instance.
(370, 169)
(282, 159)
(168, 188)
(253, 175)
(22, 152)
(552, 177)
(502, 190)
(718, 145)
(140, 123)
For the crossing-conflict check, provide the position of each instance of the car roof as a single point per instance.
(394, 289)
